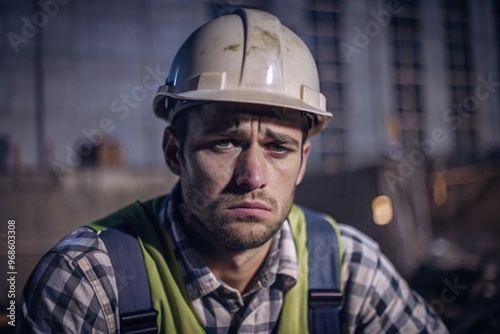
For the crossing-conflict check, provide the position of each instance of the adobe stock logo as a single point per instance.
(448, 295)
(453, 118)
(40, 19)
(120, 109)
(363, 37)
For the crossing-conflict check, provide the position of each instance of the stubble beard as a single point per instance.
(240, 232)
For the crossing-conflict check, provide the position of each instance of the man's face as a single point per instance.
(238, 171)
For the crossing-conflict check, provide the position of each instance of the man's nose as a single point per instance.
(251, 169)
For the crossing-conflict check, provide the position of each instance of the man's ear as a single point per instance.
(171, 150)
(305, 154)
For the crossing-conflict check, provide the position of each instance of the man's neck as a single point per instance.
(235, 267)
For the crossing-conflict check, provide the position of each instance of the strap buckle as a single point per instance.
(324, 297)
(140, 322)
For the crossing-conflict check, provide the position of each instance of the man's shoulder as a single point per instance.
(352, 239)
(78, 243)
(69, 277)
(64, 261)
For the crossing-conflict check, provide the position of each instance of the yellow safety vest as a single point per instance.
(168, 294)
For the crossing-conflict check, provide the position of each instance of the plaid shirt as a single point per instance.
(73, 289)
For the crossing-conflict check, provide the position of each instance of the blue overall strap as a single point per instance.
(324, 274)
(137, 315)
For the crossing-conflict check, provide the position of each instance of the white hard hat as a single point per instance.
(245, 57)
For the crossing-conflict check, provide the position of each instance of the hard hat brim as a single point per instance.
(321, 117)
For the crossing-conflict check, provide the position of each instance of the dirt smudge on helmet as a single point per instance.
(232, 47)
(264, 39)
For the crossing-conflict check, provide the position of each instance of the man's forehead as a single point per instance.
(228, 115)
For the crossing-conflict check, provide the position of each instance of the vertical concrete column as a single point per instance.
(436, 92)
(365, 46)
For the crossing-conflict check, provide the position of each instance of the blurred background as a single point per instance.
(411, 156)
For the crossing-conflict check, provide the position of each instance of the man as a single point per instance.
(224, 251)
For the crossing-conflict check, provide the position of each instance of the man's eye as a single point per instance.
(224, 144)
(279, 149)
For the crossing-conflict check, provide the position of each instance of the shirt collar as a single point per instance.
(280, 264)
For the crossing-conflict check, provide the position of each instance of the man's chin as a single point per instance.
(250, 238)
(242, 245)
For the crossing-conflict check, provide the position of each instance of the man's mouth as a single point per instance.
(248, 208)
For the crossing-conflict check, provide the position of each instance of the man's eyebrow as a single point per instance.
(282, 138)
(229, 133)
